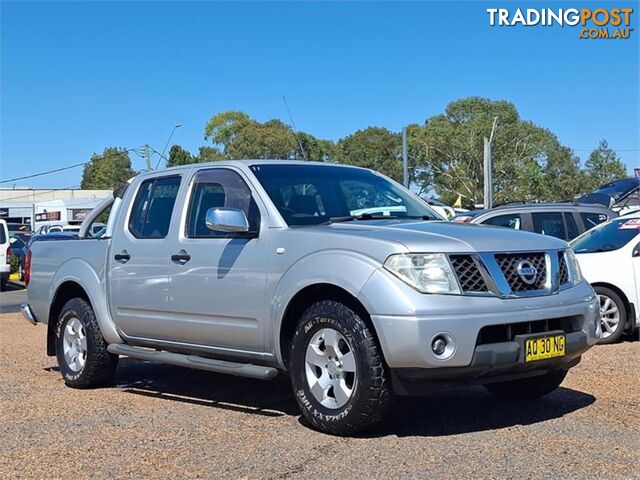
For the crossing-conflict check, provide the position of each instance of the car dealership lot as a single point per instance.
(164, 421)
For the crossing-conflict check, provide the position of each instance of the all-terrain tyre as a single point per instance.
(337, 370)
(613, 313)
(80, 348)
(528, 388)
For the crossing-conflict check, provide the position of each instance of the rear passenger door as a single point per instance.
(139, 259)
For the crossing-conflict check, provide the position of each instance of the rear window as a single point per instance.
(3, 233)
(153, 206)
(591, 219)
(549, 223)
(512, 220)
(607, 237)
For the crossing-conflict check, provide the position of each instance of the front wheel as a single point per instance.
(337, 370)
(528, 388)
(80, 349)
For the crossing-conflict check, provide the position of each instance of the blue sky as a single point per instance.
(80, 76)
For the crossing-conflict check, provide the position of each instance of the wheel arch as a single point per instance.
(77, 278)
(66, 291)
(306, 297)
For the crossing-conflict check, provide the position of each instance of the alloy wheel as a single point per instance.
(609, 316)
(330, 367)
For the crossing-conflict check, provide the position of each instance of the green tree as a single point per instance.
(179, 156)
(107, 171)
(376, 148)
(238, 136)
(316, 149)
(602, 166)
(208, 154)
(528, 161)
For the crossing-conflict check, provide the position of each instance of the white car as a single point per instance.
(5, 255)
(609, 257)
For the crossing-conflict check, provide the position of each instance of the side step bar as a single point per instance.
(193, 361)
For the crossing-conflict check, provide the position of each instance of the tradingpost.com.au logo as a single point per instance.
(595, 23)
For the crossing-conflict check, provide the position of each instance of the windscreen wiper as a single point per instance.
(369, 216)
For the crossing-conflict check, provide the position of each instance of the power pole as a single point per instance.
(405, 158)
(147, 157)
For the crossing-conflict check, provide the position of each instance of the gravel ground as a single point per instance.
(160, 421)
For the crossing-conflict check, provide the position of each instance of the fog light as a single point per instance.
(438, 345)
(442, 345)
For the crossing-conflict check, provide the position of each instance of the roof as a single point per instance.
(243, 164)
(537, 206)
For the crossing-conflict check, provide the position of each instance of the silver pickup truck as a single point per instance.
(336, 275)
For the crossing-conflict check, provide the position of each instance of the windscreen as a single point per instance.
(607, 236)
(315, 194)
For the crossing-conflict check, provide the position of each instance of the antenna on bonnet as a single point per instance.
(293, 125)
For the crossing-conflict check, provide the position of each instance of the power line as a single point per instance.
(44, 173)
(61, 169)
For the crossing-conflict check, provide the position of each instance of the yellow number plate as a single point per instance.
(544, 347)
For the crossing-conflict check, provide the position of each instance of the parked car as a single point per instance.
(609, 256)
(560, 220)
(443, 209)
(18, 227)
(258, 267)
(46, 229)
(622, 196)
(16, 249)
(5, 256)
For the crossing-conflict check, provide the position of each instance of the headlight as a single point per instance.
(574, 267)
(426, 272)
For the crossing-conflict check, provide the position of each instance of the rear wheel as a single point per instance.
(613, 315)
(337, 370)
(527, 388)
(80, 349)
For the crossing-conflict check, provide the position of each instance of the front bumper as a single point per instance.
(491, 363)
(406, 337)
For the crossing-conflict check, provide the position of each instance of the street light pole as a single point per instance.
(488, 168)
(405, 158)
(167, 144)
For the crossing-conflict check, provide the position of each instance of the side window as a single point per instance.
(591, 219)
(549, 223)
(218, 188)
(572, 228)
(510, 221)
(153, 206)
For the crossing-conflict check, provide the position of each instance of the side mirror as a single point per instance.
(225, 219)
(12, 240)
(636, 251)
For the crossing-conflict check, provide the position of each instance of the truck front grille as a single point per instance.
(468, 273)
(563, 273)
(508, 332)
(509, 262)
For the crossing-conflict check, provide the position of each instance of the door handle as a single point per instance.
(181, 257)
(122, 257)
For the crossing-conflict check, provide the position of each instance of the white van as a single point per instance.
(5, 255)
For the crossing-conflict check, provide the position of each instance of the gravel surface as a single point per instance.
(160, 421)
